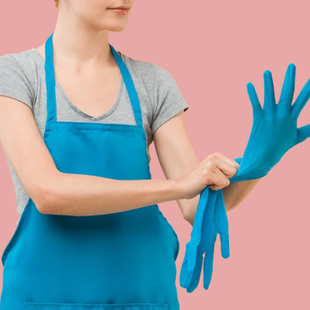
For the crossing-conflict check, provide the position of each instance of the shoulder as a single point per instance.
(19, 75)
(20, 65)
(149, 72)
(144, 69)
(21, 60)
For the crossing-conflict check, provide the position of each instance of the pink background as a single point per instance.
(212, 49)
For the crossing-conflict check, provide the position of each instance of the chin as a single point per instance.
(115, 26)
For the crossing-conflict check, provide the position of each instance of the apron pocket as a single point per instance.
(78, 306)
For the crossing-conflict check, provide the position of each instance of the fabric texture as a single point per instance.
(70, 306)
(274, 132)
(22, 77)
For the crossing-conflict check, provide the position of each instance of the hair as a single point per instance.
(56, 3)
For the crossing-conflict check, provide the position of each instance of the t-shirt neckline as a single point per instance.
(74, 107)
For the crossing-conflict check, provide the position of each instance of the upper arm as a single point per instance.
(167, 99)
(24, 147)
(20, 138)
(171, 141)
(174, 150)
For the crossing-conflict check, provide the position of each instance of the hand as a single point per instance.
(215, 171)
(274, 130)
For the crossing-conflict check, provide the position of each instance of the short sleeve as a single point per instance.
(167, 98)
(14, 81)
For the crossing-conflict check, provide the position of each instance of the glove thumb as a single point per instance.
(303, 133)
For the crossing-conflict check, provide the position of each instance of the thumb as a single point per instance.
(303, 133)
(256, 106)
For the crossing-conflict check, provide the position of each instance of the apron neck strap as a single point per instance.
(132, 92)
(50, 83)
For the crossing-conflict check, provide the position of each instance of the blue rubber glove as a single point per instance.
(210, 220)
(273, 133)
(274, 129)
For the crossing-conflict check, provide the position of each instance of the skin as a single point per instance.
(83, 63)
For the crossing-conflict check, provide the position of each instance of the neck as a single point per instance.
(77, 43)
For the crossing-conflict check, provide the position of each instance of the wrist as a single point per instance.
(176, 189)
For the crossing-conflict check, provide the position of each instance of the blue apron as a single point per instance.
(119, 261)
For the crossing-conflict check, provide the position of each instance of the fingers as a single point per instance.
(208, 240)
(303, 133)
(194, 280)
(184, 274)
(193, 245)
(190, 279)
(288, 87)
(202, 234)
(222, 169)
(257, 108)
(233, 179)
(218, 180)
(227, 160)
(208, 265)
(218, 169)
(227, 169)
(269, 97)
(194, 249)
(221, 223)
(301, 100)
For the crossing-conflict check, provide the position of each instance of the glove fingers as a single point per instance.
(221, 223)
(193, 247)
(188, 272)
(193, 281)
(184, 274)
(301, 100)
(269, 97)
(257, 108)
(209, 237)
(208, 264)
(193, 244)
(303, 133)
(225, 247)
(288, 87)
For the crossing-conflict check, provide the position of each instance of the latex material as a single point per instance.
(274, 132)
(75, 306)
(119, 261)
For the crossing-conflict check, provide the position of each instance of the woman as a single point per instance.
(90, 234)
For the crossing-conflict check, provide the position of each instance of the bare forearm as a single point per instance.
(177, 164)
(235, 193)
(75, 194)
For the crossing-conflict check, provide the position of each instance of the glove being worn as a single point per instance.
(274, 132)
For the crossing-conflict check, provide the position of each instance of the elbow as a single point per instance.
(231, 205)
(44, 197)
(229, 202)
(45, 207)
(228, 207)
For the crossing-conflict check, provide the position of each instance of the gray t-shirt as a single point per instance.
(22, 77)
